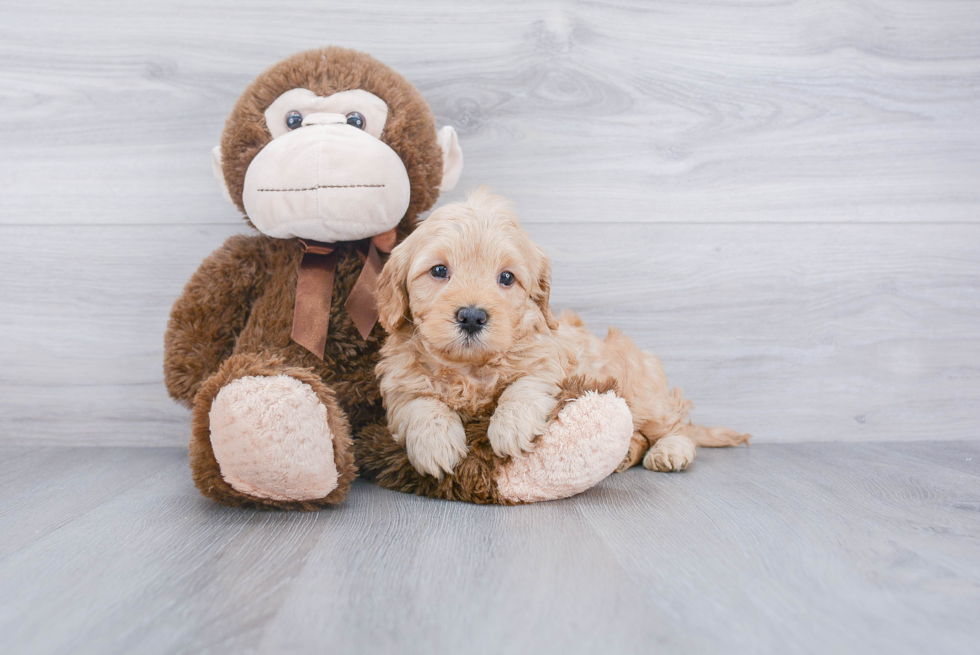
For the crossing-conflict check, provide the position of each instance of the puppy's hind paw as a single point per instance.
(671, 453)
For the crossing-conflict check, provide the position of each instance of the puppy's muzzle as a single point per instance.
(471, 320)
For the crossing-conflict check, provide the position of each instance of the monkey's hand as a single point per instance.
(522, 415)
(209, 315)
(433, 435)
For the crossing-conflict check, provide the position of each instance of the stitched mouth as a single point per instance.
(329, 186)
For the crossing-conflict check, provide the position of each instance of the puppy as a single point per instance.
(464, 300)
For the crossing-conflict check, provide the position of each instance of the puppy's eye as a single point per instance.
(294, 119)
(439, 271)
(506, 278)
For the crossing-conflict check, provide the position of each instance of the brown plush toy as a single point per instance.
(332, 156)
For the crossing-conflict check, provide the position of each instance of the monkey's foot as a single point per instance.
(584, 443)
(271, 439)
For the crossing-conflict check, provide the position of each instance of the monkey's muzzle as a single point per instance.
(326, 181)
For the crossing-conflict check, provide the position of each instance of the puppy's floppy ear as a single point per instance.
(393, 289)
(541, 290)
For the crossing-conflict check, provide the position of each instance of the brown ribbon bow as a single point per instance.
(314, 290)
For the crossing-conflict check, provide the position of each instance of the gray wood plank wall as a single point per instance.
(782, 199)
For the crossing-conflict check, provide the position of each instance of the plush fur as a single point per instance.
(234, 317)
(574, 451)
(204, 465)
(271, 438)
(484, 477)
(409, 130)
(233, 323)
(435, 374)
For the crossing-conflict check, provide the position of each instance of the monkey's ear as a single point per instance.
(452, 158)
(219, 173)
(393, 290)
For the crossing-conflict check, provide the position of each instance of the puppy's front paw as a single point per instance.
(515, 425)
(672, 453)
(435, 448)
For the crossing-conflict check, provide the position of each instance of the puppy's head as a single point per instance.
(469, 281)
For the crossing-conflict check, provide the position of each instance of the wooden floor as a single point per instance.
(778, 548)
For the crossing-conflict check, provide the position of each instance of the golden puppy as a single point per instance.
(465, 302)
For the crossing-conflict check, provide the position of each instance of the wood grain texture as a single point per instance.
(34, 484)
(779, 198)
(790, 332)
(631, 111)
(798, 548)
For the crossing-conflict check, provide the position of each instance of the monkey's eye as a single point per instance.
(506, 278)
(356, 119)
(439, 271)
(294, 119)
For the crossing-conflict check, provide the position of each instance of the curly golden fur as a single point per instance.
(437, 374)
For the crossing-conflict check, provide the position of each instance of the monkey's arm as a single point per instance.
(586, 439)
(209, 315)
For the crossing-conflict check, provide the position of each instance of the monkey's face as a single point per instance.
(332, 145)
(326, 175)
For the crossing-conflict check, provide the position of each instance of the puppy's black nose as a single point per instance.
(471, 319)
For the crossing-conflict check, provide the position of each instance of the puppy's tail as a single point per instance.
(716, 437)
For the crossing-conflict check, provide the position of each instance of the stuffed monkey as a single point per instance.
(332, 157)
